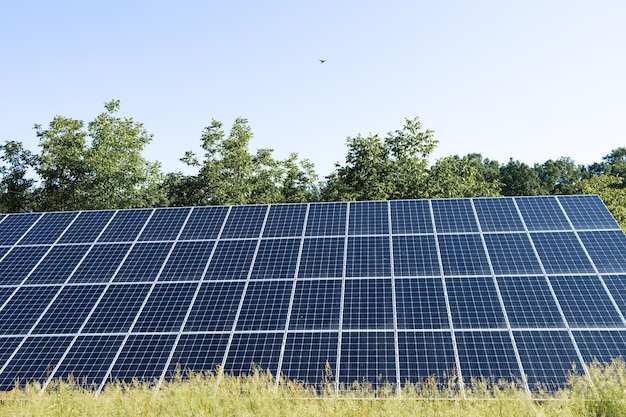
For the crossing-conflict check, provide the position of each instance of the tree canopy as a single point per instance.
(99, 165)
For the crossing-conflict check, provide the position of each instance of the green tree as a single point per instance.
(519, 179)
(460, 177)
(560, 176)
(229, 174)
(612, 164)
(15, 187)
(100, 167)
(379, 169)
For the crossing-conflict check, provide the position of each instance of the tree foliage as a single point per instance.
(100, 167)
(378, 169)
(468, 176)
(15, 185)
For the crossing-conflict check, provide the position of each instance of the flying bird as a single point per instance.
(322, 61)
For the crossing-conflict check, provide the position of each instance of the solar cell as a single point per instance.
(327, 293)
(426, 357)
(542, 213)
(487, 356)
(311, 357)
(14, 226)
(547, 357)
(367, 357)
(498, 215)
(327, 219)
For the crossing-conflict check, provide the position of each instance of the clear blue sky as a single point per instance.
(532, 80)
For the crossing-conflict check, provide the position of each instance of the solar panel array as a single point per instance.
(386, 292)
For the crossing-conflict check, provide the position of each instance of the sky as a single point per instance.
(528, 80)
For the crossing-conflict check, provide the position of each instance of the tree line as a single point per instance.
(99, 165)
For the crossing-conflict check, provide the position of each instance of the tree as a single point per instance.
(612, 164)
(16, 188)
(379, 169)
(519, 179)
(97, 168)
(559, 176)
(229, 174)
(461, 177)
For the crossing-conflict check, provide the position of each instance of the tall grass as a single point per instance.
(257, 394)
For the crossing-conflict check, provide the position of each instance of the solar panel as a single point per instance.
(521, 289)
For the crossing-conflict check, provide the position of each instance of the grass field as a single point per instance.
(214, 394)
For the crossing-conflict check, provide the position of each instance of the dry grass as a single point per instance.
(258, 395)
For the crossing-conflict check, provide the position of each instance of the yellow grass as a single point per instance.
(215, 394)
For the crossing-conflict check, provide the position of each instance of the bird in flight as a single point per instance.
(322, 61)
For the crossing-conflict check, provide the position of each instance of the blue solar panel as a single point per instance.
(421, 304)
(606, 249)
(215, 306)
(454, 216)
(487, 356)
(164, 224)
(48, 228)
(542, 213)
(498, 215)
(368, 218)
(368, 257)
(367, 356)
(574, 294)
(187, 261)
(244, 222)
(426, 357)
(276, 258)
(322, 258)
(285, 221)
(561, 253)
(265, 306)
(166, 307)
(411, 217)
(547, 358)
(68, 311)
(463, 255)
(368, 304)
(316, 305)
(415, 256)
(474, 303)
(198, 353)
(311, 357)
(587, 212)
(326, 293)
(529, 302)
(117, 309)
(90, 357)
(125, 226)
(100, 264)
(18, 263)
(328, 219)
(57, 266)
(512, 254)
(13, 227)
(204, 223)
(87, 227)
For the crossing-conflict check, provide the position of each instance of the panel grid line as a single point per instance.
(552, 292)
(593, 264)
(145, 301)
(245, 288)
(108, 284)
(27, 276)
(506, 317)
(193, 300)
(393, 301)
(291, 298)
(342, 298)
(448, 309)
